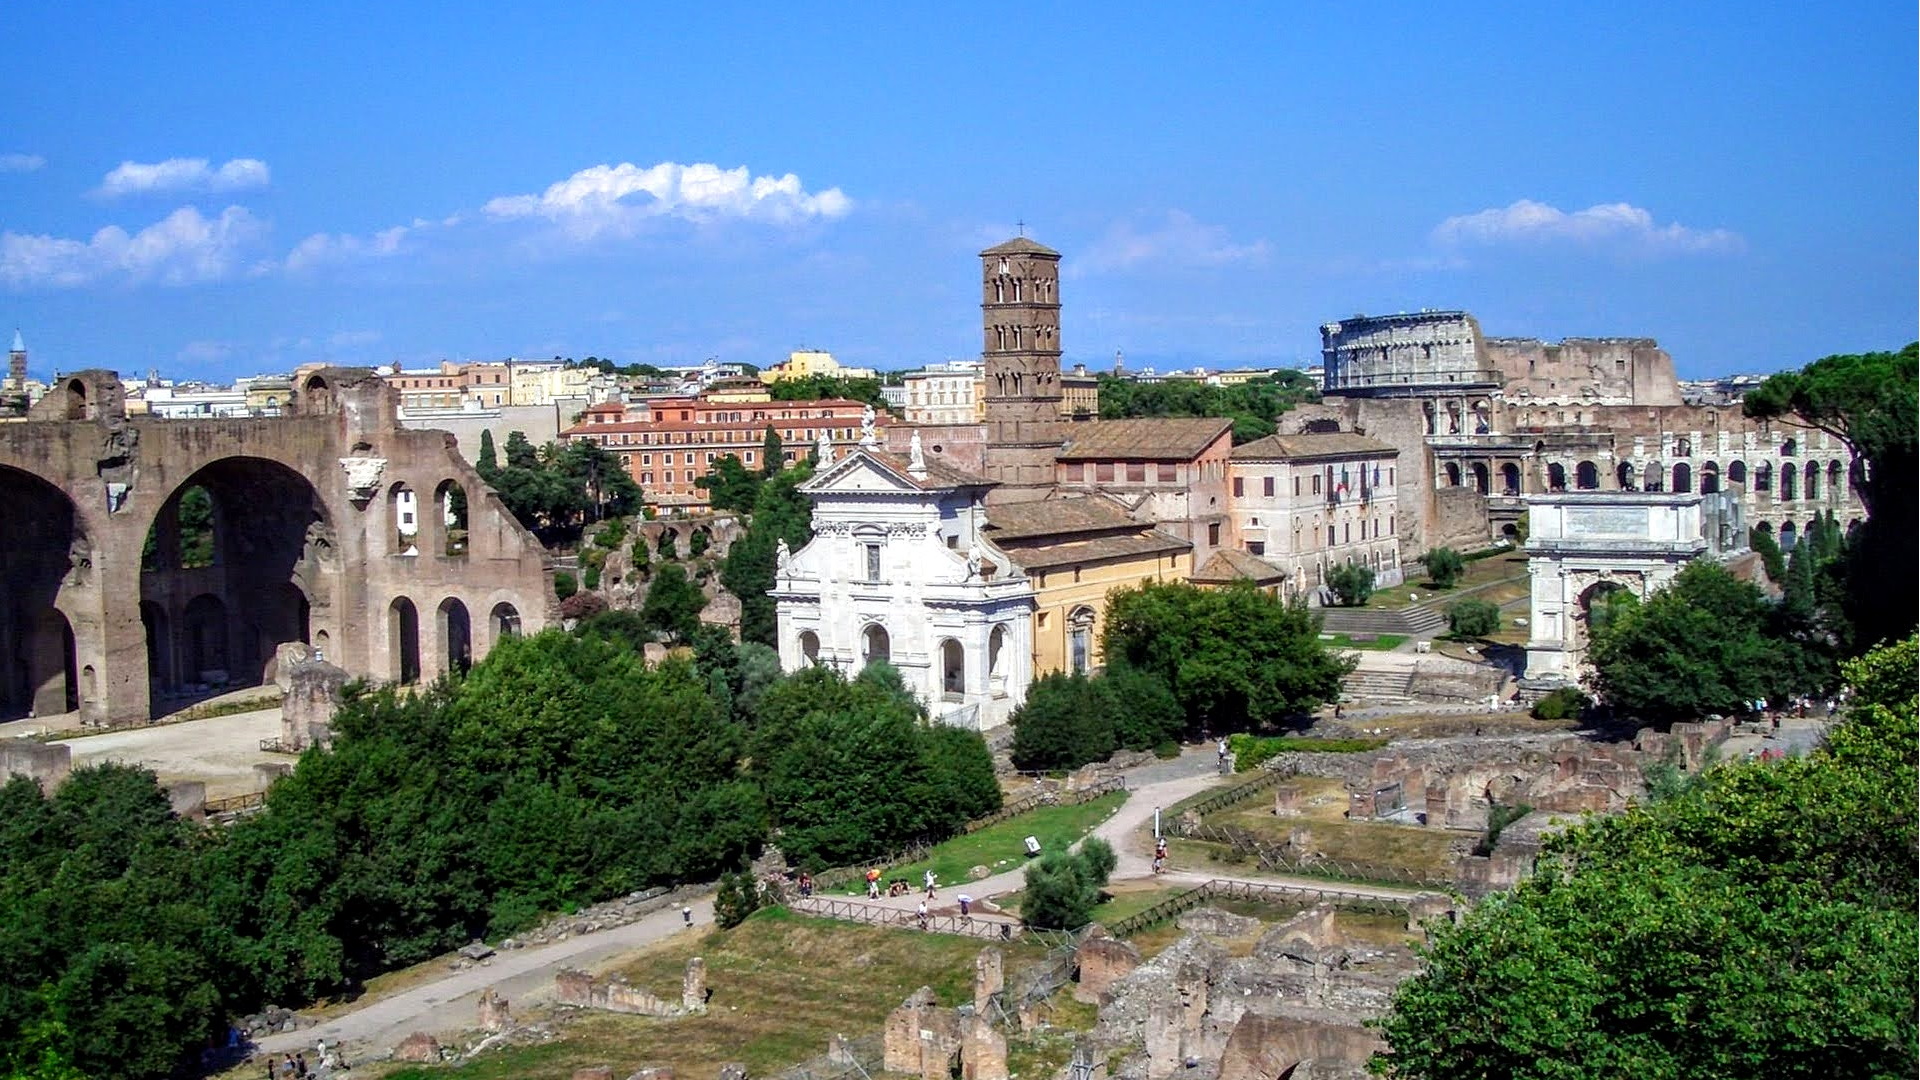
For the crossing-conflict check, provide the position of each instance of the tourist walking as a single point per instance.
(923, 914)
(686, 915)
(929, 884)
(965, 901)
(873, 884)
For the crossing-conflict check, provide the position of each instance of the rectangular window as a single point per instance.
(1213, 533)
(646, 459)
(1316, 483)
(872, 552)
(1103, 472)
(1329, 536)
(710, 457)
(646, 478)
(1136, 472)
(1348, 532)
(749, 457)
(1296, 485)
(1076, 471)
(1266, 486)
(1239, 487)
(1168, 474)
(689, 459)
(1256, 547)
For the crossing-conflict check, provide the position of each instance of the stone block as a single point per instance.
(693, 986)
(573, 987)
(1426, 907)
(313, 696)
(46, 763)
(188, 799)
(419, 1048)
(1287, 800)
(1103, 960)
(652, 1072)
(494, 1016)
(983, 1051)
(989, 978)
(1216, 923)
(901, 1037)
(733, 1071)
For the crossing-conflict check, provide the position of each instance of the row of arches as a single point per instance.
(454, 634)
(1790, 532)
(414, 528)
(876, 645)
(1806, 482)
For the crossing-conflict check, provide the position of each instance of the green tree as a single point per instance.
(673, 604)
(640, 555)
(1234, 657)
(1770, 554)
(1760, 921)
(1352, 584)
(697, 543)
(1444, 567)
(737, 897)
(820, 387)
(781, 512)
(1062, 888)
(1472, 618)
(1867, 401)
(564, 584)
(1062, 724)
(1707, 643)
(772, 456)
(489, 462)
(731, 485)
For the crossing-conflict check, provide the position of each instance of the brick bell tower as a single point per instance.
(1020, 312)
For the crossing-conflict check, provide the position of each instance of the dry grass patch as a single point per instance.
(1372, 843)
(781, 984)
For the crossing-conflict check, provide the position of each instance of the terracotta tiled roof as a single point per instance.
(1147, 542)
(1144, 439)
(1310, 445)
(1020, 245)
(1228, 564)
(1056, 517)
(938, 476)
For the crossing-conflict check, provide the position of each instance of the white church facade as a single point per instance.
(898, 570)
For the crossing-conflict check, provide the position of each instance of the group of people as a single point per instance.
(294, 1065)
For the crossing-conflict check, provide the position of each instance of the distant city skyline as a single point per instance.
(235, 190)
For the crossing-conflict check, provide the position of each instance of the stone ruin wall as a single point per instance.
(1614, 371)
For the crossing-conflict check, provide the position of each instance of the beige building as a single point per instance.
(947, 393)
(1307, 503)
(1076, 551)
(804, 363)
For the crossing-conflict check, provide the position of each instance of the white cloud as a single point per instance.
(1618, 225)
(184, 174)
(20, 162)
(618, 199)
(182, 248)
(324, 249)
(1178, 240)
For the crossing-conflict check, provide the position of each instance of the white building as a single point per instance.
(946, 393)
(1309, 502)
(898, 570)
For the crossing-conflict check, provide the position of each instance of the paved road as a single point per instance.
(526, 975)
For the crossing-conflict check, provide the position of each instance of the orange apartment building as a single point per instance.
(668, 443)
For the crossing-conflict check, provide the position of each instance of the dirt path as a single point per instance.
(221, 751)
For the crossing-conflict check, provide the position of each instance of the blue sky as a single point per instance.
(217, 190)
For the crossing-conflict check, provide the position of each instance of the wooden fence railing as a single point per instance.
(236, 804)
(1272, 858)
(880, 915)
(1257, 892)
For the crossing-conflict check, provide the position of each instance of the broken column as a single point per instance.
(901, 1039)
(494, 1016)
(693, 986)
(313, 696)
(989, 978)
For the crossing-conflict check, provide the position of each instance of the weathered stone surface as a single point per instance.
(494, 1015)
(1262, 1047)
(693, 986)
(476, 950)
(655, 1072)
(313, 696)
(311, 505)
(1103, 960)
(989, 978)
(46, 763)
(188, 799)
(733, 1071)
(1426, 908)
(983, 1051)
(419, 1048)
(581, 990)
(1216, 923)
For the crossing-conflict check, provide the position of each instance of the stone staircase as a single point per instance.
(1363, 687)
(1414, 620)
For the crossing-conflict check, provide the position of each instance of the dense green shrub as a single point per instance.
(1070, 720)
(1251, 751)
(737, 897)
(564, 584)
(1473, 618)
(1352, 584)
(1566, 703)
(1063, 888)
(1444, 567)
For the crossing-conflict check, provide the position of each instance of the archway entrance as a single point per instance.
(235, 563)
(953, 669)
(43, 554)
(875, 645)
(456, 636)
(403, 641)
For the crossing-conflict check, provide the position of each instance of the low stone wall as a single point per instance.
(46, 763)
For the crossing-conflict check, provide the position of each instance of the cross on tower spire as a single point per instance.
(1022, 226)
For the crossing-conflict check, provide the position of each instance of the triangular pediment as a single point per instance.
(859, 472)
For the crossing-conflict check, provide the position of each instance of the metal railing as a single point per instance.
(236, 804)
(1235, 795)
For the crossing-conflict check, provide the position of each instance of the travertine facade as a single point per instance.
(306, 546)
(1308, 503)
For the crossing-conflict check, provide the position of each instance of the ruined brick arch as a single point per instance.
(1709, 478)
(43, 536)
(322, 478)
(1624, 475)
(1736, 472)
(1586, 476)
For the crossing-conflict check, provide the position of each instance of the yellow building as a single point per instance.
(1079, 394)
(737, 391)
(1076, 551)
(803, 363)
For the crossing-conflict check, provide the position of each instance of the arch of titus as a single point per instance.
(1582, 545)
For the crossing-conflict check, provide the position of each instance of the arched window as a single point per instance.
(1509, 479)
(1709, 478)
(996, 656)
(1836, 480)
(456, 636)
(1788, 534)
(953, 670)
(1654, 477)
(875, 645)
(1788, 449)
(403, 641)
(1556, 477)
(809, 646)
(1624, 474)
(403, 510)
(1453, 474)
(1813, 480)
(1763, 477)
(451, 498)
(1586, 476)
(1736, 472)
(1682, 478)
(1080, 640)
(1480, 480)
(1788, 488)
(505, 620)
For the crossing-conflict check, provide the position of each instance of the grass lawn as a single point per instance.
(999, 848)
(1493, 568)
(1382, 643)
(1375, 843)
(782, 984)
